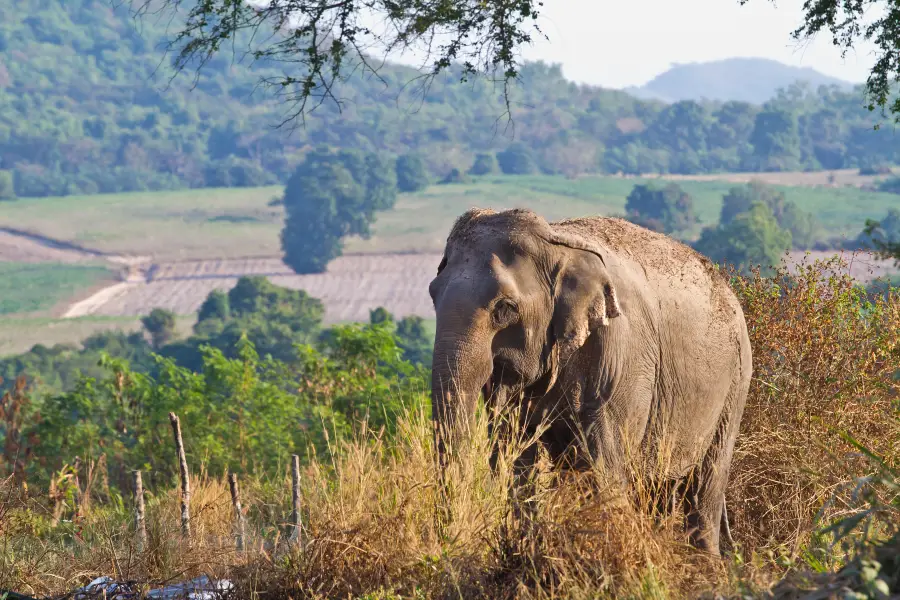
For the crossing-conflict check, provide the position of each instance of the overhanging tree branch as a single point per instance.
(852, 21)
(322, 42)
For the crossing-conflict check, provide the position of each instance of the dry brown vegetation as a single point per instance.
(826, 363)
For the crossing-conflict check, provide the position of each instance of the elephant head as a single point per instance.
(515, 299)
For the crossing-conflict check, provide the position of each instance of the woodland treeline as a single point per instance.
(87, 105)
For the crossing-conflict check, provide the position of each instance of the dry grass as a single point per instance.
(819, 366)
(376, 526)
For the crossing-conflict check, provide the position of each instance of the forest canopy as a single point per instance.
(89, 104)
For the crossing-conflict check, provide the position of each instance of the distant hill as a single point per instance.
(86, 106)
(753, 80)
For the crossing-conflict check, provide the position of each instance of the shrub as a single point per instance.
(825, 359)
(517, 159)
(7, 189)
(485, 164)
(454, 176)
(877, 169)
(752, 239)
(666, 209)
(412, 173)
(891, 185)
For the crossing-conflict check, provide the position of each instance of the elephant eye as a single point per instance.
(505, 313)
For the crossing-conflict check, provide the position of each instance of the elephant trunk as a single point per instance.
(461, 368)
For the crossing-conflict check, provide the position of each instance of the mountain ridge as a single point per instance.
(743, 79)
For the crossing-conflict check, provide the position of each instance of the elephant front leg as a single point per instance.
(522, 489)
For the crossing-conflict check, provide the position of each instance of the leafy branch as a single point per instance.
(849, 22)
(323, 42)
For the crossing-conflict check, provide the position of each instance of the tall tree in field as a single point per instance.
(412, 172)
(331, 196)
(752, 239)
(883, 236)
(666, 209)
(804, 227)
(161, 325)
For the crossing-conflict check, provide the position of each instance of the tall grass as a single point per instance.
(824, 402)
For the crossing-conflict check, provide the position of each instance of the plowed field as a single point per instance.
(352, 286)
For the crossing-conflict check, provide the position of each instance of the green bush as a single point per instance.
(667, 209)
(517, 159)
(7, 188)
(485, 164)
(752, 239)
(412, 172)
(804, 227)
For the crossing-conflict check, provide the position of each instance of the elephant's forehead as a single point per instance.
(505, 243)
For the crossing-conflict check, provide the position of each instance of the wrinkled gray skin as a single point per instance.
(622, 337)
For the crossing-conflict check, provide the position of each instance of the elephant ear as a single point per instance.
(586, 297)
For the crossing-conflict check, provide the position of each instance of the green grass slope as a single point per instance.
(37, 287)
(230, 223)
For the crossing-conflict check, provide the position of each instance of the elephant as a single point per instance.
(617, 336)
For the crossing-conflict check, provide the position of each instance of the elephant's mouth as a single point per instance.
(501, 375)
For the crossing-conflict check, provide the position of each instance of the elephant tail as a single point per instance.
(726, 527)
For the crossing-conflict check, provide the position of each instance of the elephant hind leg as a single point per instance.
(726, 526)
(705, 510)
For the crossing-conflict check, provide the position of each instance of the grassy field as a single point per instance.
(20, 334)
(227, 223)
(37, 287)
(168, 225)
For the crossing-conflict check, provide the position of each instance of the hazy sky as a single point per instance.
(617, 44)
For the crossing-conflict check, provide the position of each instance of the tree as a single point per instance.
(317, 203)
(380, 315)
(274, 319)
(752, 239)
(214, 307)
(412, 173)
(329, 197)
(883, 236)
(7, 190)
(485, 164)
(414, 340)
(775, 141)
(666, 209)
(516, 160)
(161, 325)
(804, 227)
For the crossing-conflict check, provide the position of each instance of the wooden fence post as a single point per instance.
(185, 479)
(76, 467)
(139, 522)
(238, 515)
(296, 524)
